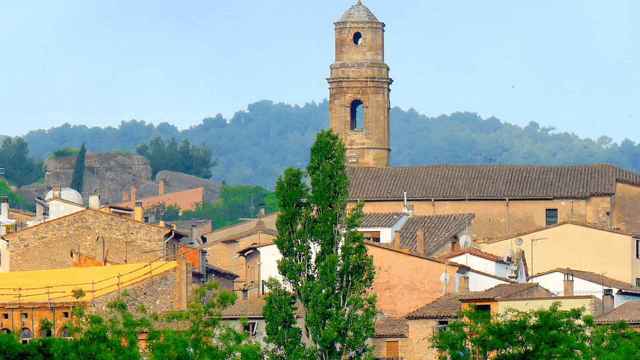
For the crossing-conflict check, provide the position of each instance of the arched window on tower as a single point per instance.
(357, 115)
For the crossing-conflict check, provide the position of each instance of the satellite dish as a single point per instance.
(465, 241)
(519, 241)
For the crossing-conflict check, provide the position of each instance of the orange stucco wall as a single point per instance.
(404, 282)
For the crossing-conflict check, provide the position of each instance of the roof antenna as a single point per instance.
(406, 208)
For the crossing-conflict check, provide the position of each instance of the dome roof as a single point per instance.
(359, 13)
(67, 194)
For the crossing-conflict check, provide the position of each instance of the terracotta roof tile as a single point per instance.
(185, 200)
(475, 252)
(250, 308)
(628, 312)
(447, 306)
(391, 328)
(447, 182)
(508, 291)
(382, 220)
(438, 230)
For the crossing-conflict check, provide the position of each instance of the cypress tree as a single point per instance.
(77, 180)
(325, 266)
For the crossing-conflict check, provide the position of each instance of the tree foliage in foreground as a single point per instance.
(183, 157)
(325, 266)
(193, 334)
(536, 335)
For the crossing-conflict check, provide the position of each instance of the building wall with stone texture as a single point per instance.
(626, 207)
(360, 73)
(500, 218)
(58, 243)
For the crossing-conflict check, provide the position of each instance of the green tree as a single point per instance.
(183, 157)
(198, 333)
(77, 180)
(19, 168)
(324, 261)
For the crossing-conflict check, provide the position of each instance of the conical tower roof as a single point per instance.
(358, 13)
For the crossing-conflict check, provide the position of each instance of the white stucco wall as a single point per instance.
(482, 264)
(4, 255)
(479, 282)
(269, 257)
(386, 234)
(554, 282)
(59, 209)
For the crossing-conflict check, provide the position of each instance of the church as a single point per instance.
(505, 199)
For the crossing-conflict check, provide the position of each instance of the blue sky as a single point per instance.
(570, 64)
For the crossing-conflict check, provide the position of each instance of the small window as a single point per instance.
(357, 38)
(551, 216)
(245, 294)
(392, 349)
(25, 335)
(5, 316)
(24, 316)
(372, 236)
(637, 282)
(251, 328)
(442, 325)
(357, 115)
(65, 314)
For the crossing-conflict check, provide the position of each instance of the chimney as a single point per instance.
(607, 300)
(396, 241)
(39, 210)
(57, 191)
(161, 223)
(420, 245)
(138, 212)
(568, 284)
(125, 196)
(161, 187)
(134, 195)
(194, 231)
(4, 208)
(94, 202)
(463, 285)
(262, 213)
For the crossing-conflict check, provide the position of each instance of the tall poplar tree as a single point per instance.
(77, 180)
(325, 266)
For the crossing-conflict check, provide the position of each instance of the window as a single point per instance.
(442, 325)
(65, 314)
(24, 316)
(245, 294)
(25, 335)
(251, 328)
(5, 316)
(551, 216)
(372, 236)
(637, 248)
(392, 349)
(357, 38)
(357, 115)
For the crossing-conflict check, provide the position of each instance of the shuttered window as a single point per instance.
(393, 349)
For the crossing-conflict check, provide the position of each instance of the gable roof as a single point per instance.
(484, 182)
(591, 277)
(475, 252)
(444, 307)
(628, 312)
(58, 285)
(506, 291)
(391, 328)
(266, 225)
(438, 230)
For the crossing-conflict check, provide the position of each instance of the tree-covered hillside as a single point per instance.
(254, 146)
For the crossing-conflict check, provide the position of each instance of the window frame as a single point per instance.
(552, 213)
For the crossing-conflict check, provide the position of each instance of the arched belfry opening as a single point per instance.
(357, 38)
(357, 115)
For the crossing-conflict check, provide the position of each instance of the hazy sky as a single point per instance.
(571, 64)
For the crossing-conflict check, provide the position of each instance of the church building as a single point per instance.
(506, 200)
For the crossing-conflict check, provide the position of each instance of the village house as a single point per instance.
(29, 297)
(614, 254)
(569, 282)
(512, 268)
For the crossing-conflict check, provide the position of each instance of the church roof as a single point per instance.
(358, 13)
(460, 182)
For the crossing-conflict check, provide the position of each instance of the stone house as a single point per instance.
(105, 237)
(32, 296)
(576, 246)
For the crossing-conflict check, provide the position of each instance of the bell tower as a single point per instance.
(359, 88)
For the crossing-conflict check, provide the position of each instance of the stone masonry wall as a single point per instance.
(56, 243)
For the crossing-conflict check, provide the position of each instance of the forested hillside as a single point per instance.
(254, 146)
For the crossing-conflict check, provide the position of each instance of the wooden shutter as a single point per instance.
(393, 349)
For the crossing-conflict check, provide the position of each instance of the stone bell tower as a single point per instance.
(359, 88)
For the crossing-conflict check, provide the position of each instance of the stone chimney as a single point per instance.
(568, 285)
(138, 212)
(463, 285)
(396, 241)
(420, 243)
(161, 187)
(4, 208)
(607, 300)
(94, 202)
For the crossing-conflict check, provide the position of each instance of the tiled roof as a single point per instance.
(449, 182)
(58, 285)
(391, 328)
(438, 229)
(628, 312)
(591, 277)
(475, 252)
(507, 291)
(268, 223)
(358, 13)
(447, 306)
(382, 220)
